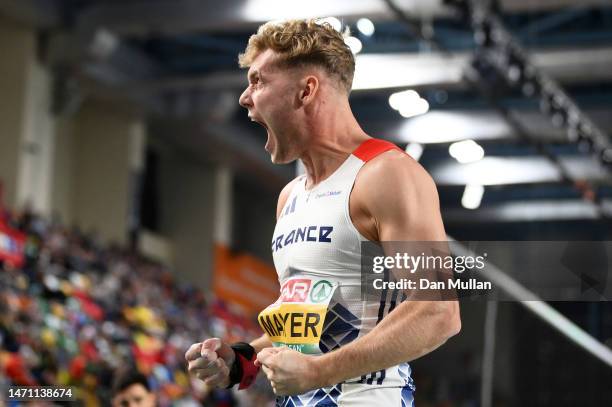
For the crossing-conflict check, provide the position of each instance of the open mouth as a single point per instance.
(259, 122)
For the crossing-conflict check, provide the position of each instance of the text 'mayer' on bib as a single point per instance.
(296, 319)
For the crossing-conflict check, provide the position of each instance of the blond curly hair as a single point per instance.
(304, 43)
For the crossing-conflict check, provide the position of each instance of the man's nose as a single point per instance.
(245, 99)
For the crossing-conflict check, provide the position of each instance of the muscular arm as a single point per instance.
(401, 203)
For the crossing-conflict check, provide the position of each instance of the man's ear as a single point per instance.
(309, 88)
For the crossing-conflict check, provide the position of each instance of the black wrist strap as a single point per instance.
(243, 370)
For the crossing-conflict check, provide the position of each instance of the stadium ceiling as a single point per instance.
(177, 60)
(141, 17)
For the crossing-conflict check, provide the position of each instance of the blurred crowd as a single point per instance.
(77, 311)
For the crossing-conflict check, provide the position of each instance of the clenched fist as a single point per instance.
(289, 372)
(210, 361)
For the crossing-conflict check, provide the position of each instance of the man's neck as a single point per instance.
(327, 153)
(333, 134)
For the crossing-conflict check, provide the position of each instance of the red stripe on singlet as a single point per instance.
(372, 148)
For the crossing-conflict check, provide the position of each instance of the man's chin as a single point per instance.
(277, 159)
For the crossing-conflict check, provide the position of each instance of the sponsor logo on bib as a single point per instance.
(296, 319)
(321, 291)
(295, 290)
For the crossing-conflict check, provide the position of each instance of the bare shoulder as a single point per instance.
(393, 173)
(284, 195)
(394, 198)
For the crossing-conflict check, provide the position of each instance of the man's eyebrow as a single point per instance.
(252, 74)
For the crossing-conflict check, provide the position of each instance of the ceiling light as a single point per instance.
(415, 150)
(400, 99)
(354, 44)
(333, 21)
(466, 151)
(365, 26)
(472, 196)
(418, 107)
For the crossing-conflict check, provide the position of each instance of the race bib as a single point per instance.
(296, 319)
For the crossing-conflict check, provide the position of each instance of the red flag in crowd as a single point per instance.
(12, 242)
